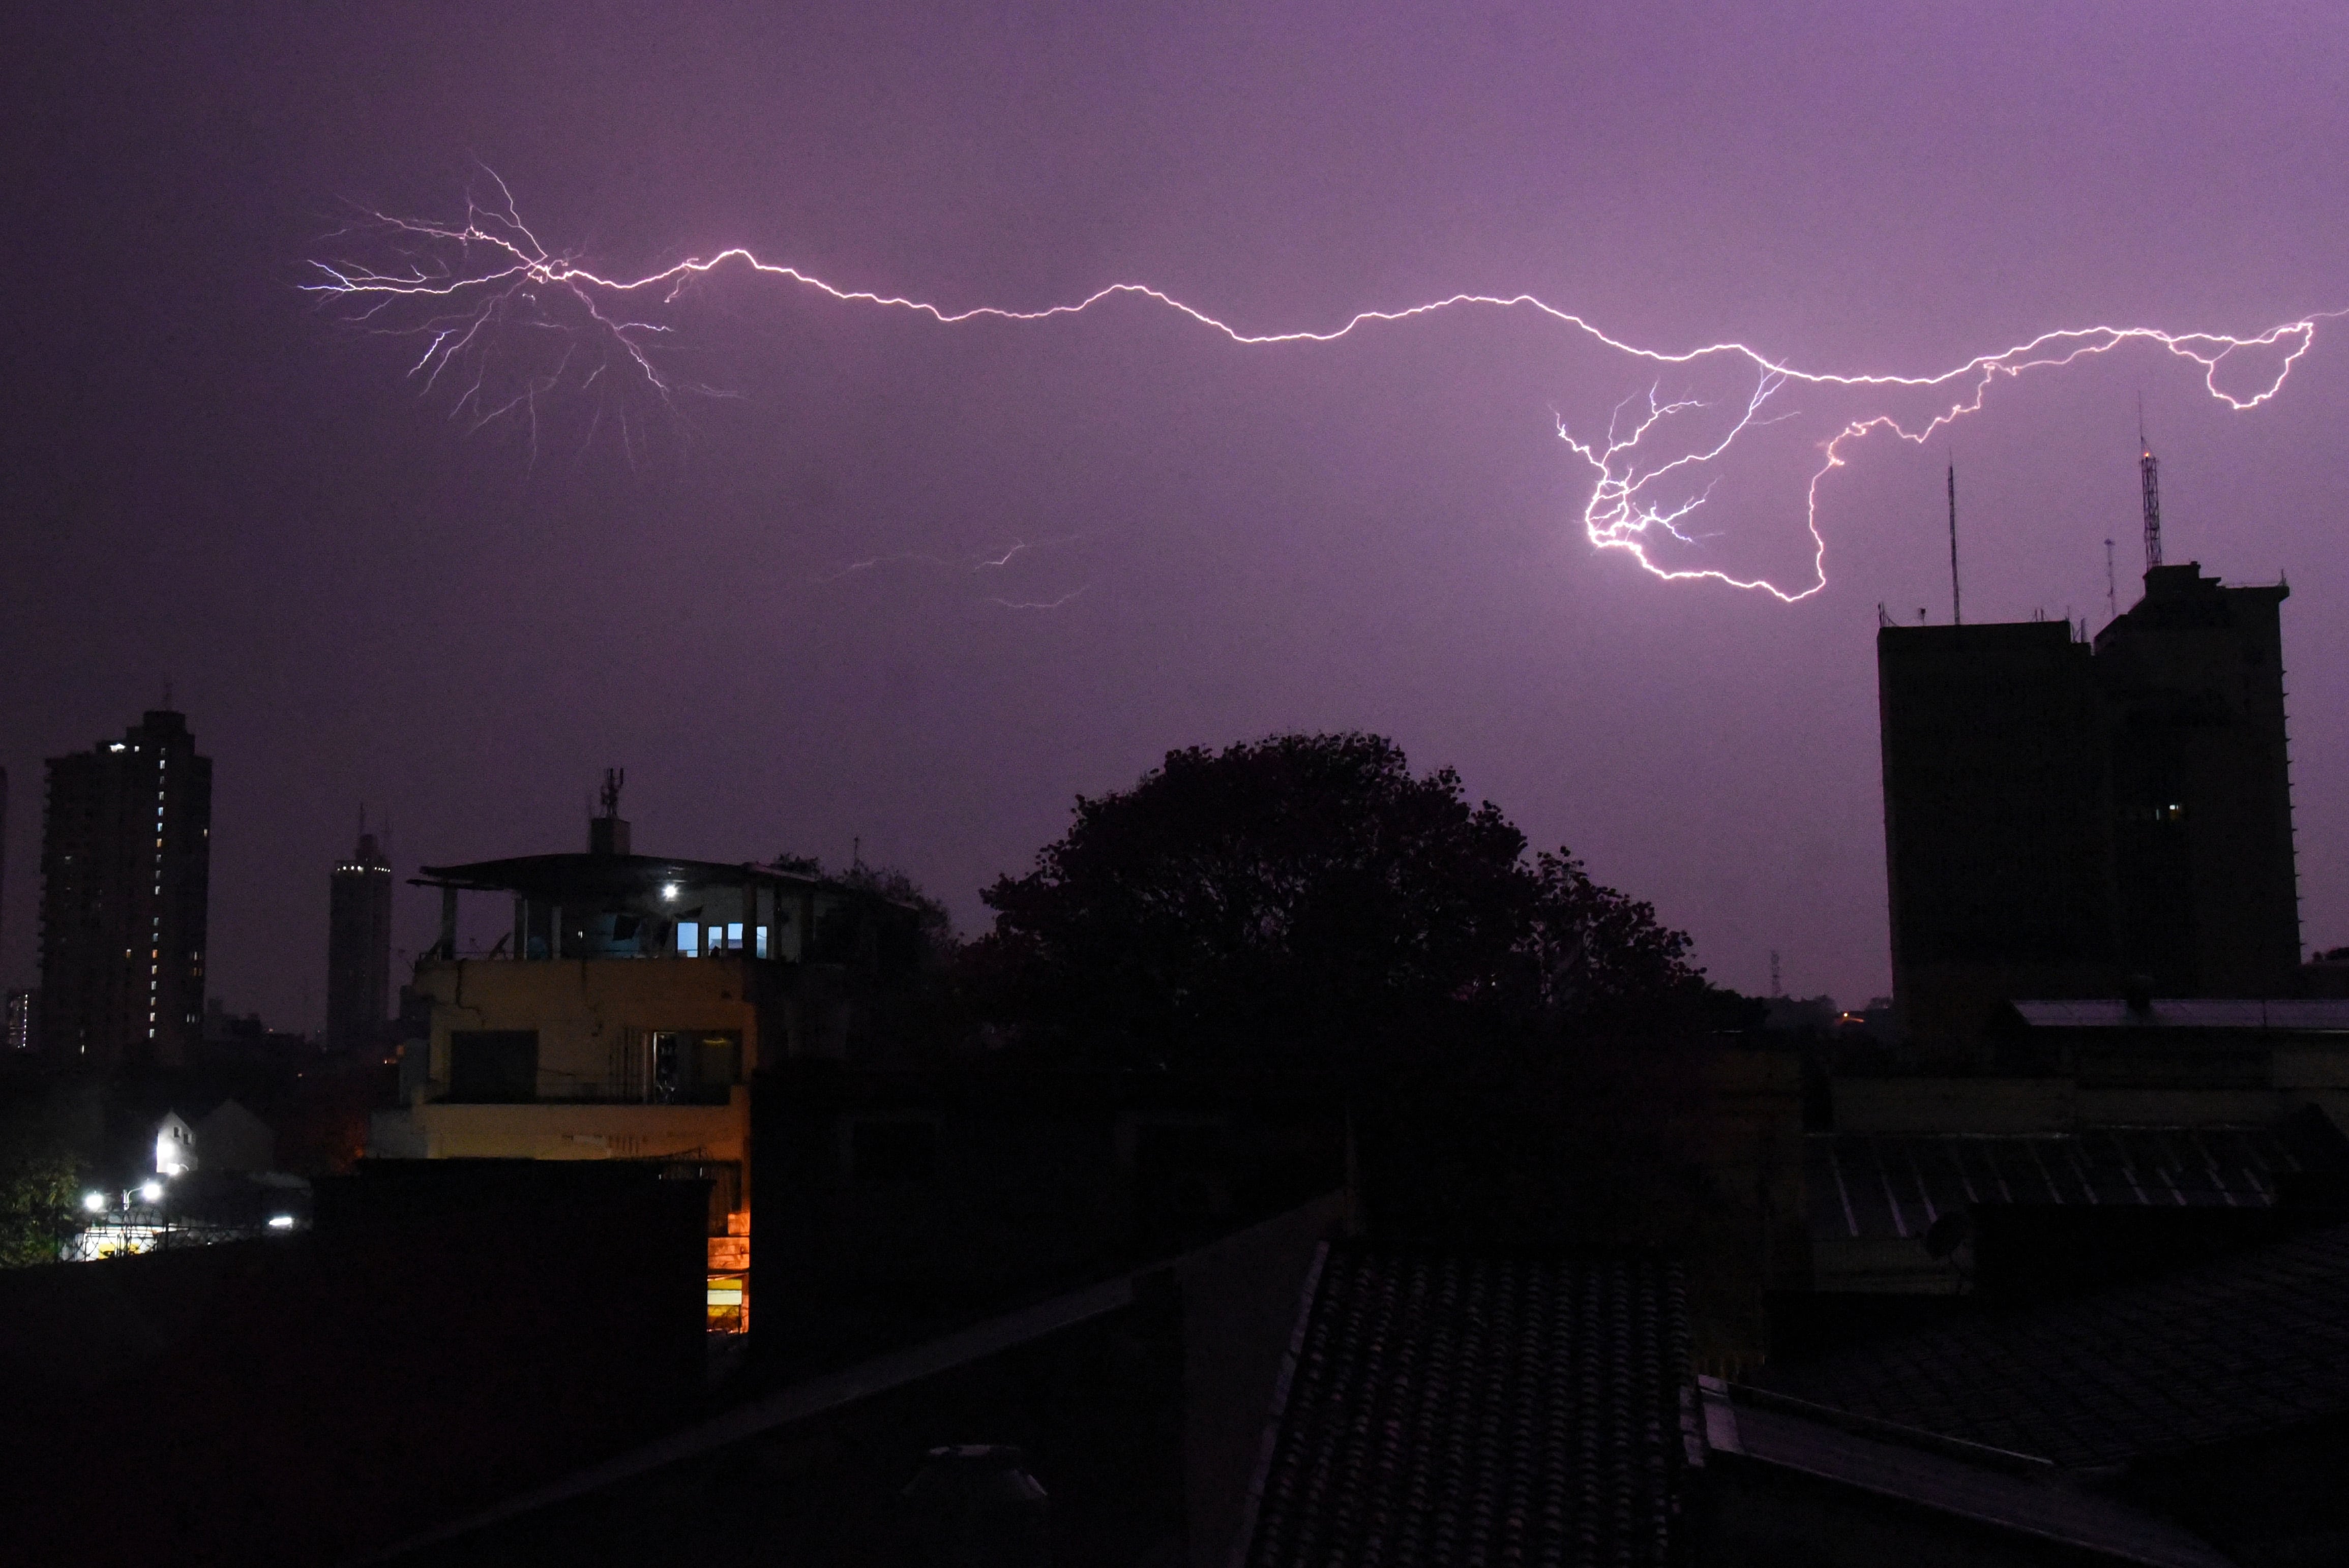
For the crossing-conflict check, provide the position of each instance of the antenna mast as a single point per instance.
(1957, 602)
(2150, 472)
(2112, 586)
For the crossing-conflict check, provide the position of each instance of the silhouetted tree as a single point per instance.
(1305, 897)
(49, 1133)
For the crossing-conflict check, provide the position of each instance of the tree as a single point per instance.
(48, 1128)
(1305, 897)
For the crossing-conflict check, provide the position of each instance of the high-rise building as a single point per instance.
(358, 946)
(3, 851)
(16, 1033)
(126, 861)
(2066, 819)
(2193, 686)
(1996, 845)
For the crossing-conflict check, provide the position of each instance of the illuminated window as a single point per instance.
(688, 939)
(734, 935)
(762, 941)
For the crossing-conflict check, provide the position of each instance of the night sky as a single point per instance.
(357, 598)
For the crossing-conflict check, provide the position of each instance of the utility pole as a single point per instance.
(1957, 602)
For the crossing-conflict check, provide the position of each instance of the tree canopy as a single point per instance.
(1307, 897)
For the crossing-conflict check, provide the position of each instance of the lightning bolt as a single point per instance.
(467, 287)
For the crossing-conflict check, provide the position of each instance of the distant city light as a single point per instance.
(94, 1202)
(151, 1191)
(281, 1221)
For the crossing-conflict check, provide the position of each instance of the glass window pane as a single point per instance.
(688, 939)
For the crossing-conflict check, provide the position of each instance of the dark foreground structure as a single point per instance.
(447, 1335)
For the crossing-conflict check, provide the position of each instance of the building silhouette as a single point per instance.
(2065, 819)
(2192, 680)
(623, 1008)
(126, 856)
(358, 946)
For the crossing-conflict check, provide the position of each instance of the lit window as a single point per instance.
(734, 936)
(762, 941)
(688, 939)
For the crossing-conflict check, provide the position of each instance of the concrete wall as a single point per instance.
(559, 1131)
(591, 1014)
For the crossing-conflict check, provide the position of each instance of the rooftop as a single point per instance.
(1864, 1186)
(2249, 1345)
(608, 876)
(1446, 1409)
(2298, 1016)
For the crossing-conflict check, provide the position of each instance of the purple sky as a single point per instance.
(358, 601)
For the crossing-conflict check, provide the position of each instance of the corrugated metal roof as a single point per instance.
(1872, 1186)
(2297, 1014)
(1789, 1435)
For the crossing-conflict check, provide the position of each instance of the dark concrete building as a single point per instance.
(2192, 679)
(1994, 820)
(2065, 818)
(126, 859)
(358, 946)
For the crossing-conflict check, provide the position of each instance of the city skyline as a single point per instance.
(921, 590)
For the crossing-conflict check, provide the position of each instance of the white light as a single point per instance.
(281, 1221)
(670, 892)
(94, 1202)
(151, 1191)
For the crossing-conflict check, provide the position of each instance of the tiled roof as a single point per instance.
(1869, 1186)
(1446, 1409)
(2250, 1344)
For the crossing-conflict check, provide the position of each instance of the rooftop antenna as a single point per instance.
(167, 693)
(612, 779)
(1776, 987)
(2150, 472)
(2112, 586)
(1957, 603)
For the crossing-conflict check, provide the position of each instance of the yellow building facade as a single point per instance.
(622, 1015)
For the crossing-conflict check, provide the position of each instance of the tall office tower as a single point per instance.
(2192, 680)
(1994, 805)
(358, 946)
(2064, 820)
(16, 1031)
(126, 859)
